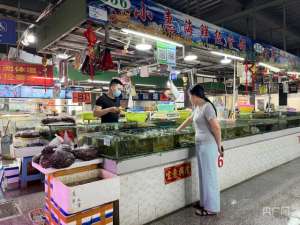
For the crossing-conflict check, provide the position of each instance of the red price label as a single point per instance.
(81, 97)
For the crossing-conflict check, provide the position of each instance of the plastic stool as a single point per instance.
(25, 177)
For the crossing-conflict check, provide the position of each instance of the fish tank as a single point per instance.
(143, 139)
(126, 140)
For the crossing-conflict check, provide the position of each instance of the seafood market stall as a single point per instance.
(158, 171)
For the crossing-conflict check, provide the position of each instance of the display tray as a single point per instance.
(27, 151)
(78, 163)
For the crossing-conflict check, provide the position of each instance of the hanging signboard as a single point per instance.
(155, 19)
(27, 74)
(166, 54)
(82, 97)
(8, 34)
(277, 57)
(150, 17)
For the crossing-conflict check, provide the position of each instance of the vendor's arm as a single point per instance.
(187, 122)
(99, 112)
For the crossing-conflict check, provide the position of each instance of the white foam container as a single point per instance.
(73, 199)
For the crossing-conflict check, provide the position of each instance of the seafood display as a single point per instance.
(124, 143)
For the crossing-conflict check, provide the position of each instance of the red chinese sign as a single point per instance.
(218, 38)
(204, 31)
(82, 97)
(178, 172)
(168, 24)
(188, 28)
(27, 74)
(242, 44)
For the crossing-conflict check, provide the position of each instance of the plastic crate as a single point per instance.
(165, 107)
(136, 116)
(88, 116)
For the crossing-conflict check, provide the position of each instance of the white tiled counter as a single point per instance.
(146, 197)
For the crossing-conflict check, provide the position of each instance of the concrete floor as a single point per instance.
(272, 198)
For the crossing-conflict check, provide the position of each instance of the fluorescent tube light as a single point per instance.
(145, 85)
(98, 81)
(190, 57)
(152, 37)
(227, 55)
(293, 73)
(143, 47)
(272, 68)
(225, 60)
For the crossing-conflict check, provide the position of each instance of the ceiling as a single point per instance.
(262, 20)
(26, 13)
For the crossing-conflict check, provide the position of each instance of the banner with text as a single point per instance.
(27, 74)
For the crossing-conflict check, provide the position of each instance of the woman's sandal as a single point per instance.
(203, 212)
(198, 207)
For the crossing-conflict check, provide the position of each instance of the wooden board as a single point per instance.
(27, 151)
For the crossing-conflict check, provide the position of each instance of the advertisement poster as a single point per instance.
(8, 34)
(166, 54)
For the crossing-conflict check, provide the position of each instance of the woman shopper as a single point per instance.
(208, 144)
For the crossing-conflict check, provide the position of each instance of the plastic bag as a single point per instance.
(56, 141)
(36, 158)
(49, 149)
(62, 159)
(45, 161)
(85, 153)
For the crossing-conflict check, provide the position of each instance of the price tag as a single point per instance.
(106, 142)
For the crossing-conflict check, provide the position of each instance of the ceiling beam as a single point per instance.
(251, 10)
(16, 9)
(23, 21)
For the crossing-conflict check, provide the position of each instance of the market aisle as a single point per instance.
(272, 198)
(248, 203)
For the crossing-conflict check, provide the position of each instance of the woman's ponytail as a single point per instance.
(198, 91)
(207, 100)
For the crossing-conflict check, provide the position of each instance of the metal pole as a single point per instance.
(234, 88)
(284, 26)
(254, 21)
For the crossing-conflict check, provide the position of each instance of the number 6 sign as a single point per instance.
(220, 161)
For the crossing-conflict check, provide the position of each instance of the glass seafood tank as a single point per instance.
(127, 140)
(119, 141)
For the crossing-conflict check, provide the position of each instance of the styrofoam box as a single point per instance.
(73, 199)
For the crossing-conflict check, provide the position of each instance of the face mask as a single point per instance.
(117, 93)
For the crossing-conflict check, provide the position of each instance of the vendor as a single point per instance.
(108, 105)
